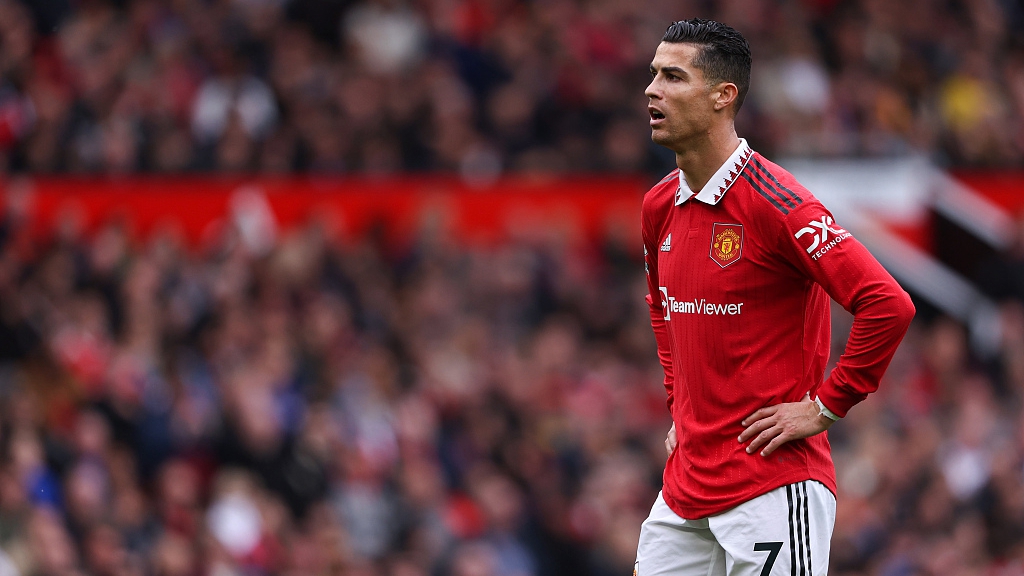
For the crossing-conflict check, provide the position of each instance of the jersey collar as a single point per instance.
(717, 186)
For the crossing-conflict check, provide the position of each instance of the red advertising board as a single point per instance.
(580, 207)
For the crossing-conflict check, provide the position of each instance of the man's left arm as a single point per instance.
(826, 253)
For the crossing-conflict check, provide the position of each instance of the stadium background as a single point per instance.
(346, 287)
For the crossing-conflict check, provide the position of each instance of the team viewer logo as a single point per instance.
(726, 243)
(698, 306)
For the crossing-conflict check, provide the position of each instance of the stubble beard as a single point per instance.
(664, 137)
(671, 139)
(681, 139)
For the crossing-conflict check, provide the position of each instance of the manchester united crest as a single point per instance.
(726, 243)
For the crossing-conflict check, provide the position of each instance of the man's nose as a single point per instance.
(652, 91)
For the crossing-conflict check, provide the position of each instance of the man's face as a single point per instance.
(681, 104)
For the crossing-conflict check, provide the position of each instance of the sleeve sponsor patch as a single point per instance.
(820, 236)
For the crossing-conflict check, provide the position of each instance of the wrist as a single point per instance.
(824, 412)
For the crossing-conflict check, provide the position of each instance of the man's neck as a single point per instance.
(700, 161)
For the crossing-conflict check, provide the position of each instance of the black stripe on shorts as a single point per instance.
(807, 529)
(800, 529)
(792, 532)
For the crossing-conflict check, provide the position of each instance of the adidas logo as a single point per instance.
(667, 244)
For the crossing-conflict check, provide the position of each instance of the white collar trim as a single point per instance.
(720, 183)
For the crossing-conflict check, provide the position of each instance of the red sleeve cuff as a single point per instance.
(833, 397)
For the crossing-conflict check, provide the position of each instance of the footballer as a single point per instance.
(741, 263)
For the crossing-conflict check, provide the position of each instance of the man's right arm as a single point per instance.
(654, 298)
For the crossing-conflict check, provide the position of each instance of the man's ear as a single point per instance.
(726, 94)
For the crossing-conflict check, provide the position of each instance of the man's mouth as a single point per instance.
(656, 116)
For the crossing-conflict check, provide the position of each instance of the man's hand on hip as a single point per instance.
(778, 424)
(670, 440)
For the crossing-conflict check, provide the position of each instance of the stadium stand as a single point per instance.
(385, 86)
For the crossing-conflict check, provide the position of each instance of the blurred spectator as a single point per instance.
(392, 85)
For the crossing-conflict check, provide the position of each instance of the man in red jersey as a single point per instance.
(741, 261)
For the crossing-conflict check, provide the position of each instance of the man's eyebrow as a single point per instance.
(669, 70)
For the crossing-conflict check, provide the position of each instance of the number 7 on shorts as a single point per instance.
(773, 552)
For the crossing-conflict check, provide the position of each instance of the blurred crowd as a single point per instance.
(319, 407)
(322, 406)
(486, 86)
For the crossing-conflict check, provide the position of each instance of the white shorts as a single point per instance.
(785, 532)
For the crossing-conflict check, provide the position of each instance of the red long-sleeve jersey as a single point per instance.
(740, 276)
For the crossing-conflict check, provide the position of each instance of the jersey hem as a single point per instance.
(699, 512)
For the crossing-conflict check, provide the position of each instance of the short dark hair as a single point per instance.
(723, 55)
